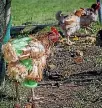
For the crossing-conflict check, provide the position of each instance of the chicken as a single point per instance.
(28, 59)
(71, 23)
(90, 15)
(49, 39)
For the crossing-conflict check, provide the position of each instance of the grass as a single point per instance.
(43, 11)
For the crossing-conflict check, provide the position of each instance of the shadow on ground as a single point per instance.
(99, 38)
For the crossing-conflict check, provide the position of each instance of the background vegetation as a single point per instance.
(43, 11)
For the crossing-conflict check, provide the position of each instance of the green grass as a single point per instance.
(43, 11)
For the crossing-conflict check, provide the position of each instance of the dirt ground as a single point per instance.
(66, 84)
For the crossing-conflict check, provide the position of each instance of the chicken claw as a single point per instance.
(70, 42)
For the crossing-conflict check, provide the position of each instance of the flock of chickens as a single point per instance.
(38, 48)
(80, 18)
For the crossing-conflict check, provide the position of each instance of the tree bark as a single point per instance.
(5, 36)
(100, 11)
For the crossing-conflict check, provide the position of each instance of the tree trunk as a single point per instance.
(100, 11)
(5, 19)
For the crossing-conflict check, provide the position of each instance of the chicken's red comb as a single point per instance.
(53, 29)
(98, 5)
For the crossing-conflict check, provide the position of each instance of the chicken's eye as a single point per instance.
(90, 13)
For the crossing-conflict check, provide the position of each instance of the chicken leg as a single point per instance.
(69, 42)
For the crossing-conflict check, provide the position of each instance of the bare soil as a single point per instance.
(66, 84)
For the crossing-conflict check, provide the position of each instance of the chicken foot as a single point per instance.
(69, 42)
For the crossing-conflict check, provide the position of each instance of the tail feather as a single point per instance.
(58, 15)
